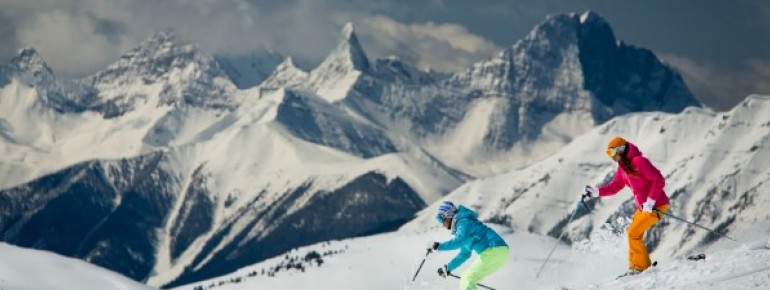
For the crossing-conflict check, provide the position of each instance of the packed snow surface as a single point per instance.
(389, 261)
(25, 269)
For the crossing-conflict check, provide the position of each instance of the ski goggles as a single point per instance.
(611, 152)
(440, 218)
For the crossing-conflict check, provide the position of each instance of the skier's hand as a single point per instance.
(648, 205)
(443, 271)
(434, 246)
(590, 192)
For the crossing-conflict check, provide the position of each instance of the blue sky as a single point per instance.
(719, 46)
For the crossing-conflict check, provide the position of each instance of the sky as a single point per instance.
(720, 47)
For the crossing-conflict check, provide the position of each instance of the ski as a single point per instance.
(634, 272)
(629, 273)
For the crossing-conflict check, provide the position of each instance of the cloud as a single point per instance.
(719, 87)
(447, 47)
(78, 37)
(8, 37)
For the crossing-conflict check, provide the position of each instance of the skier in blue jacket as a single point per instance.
(470, 235)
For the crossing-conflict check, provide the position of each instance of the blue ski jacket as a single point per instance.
(470, 235)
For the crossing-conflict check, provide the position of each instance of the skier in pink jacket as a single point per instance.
(646, 183)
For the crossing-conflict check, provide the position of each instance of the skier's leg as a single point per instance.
(489, 261)
(466, 282)
(639, 258)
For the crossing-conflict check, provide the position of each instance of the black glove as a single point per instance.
(434, 246)
(590, 192)
(444, 271)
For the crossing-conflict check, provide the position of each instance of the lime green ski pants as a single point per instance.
(489, 261)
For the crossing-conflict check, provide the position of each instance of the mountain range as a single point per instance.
(170, 166)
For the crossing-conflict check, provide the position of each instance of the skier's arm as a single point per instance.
(614, 186)
(657, 182)
(461, 237)
(461, 257)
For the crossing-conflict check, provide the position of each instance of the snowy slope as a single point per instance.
(715, 166)
(202, 174)
(148, 99)
(24, 269)
(541, 198)
(228, 187)
(389, 261)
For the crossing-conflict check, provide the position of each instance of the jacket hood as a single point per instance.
(632, 151)
(464, 212)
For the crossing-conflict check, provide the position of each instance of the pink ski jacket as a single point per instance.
(647, 182)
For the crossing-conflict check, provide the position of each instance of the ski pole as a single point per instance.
(421, 263)
(480, 285)
(583, 201)
(559, 239)
(694, 224)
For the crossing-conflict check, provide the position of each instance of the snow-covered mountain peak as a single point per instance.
(161, 38)
(29, 69)
(554, 25)
(287, 63)
(348, 31)
(286, 74)
(348, 50)
(29, 60)
(336, 75)
(590, 16)
(594, 27)
(570, 29)
(157, 57)
(161, 71)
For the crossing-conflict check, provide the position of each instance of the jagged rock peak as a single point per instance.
(591, 17)
(287, 67)
(286, 74)
(160, 44)
(163, 36)
(286, 64)
(594, 26)
(157, 56)
(349, 49)
(589, 25)
(348, 31)
(28, 59)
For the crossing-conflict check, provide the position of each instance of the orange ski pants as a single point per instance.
(638, 257)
